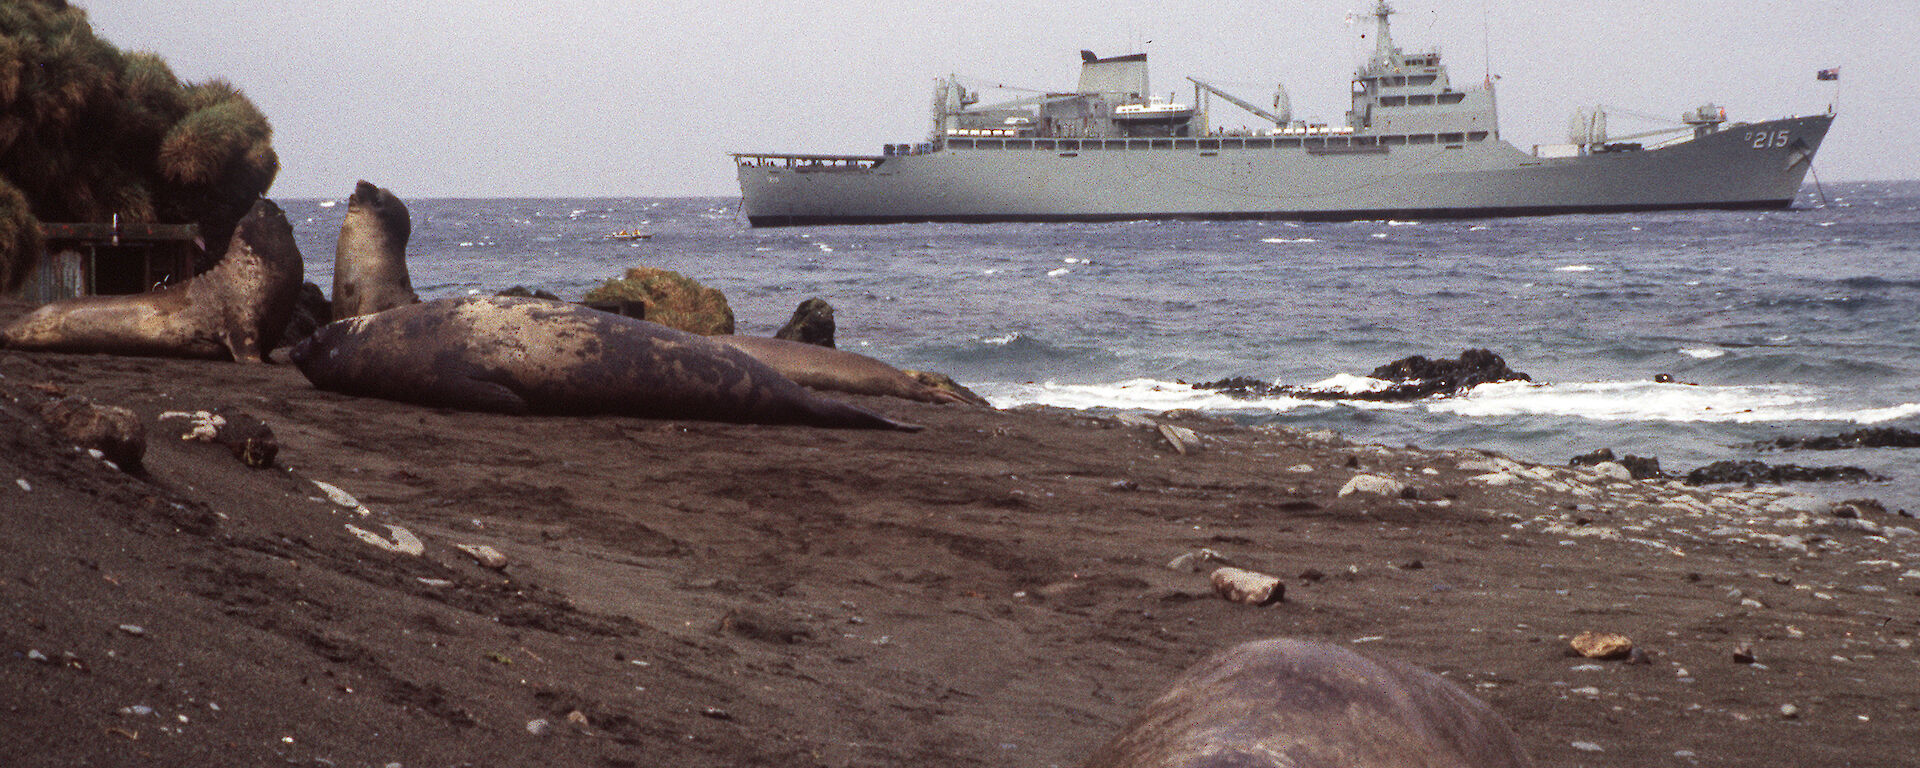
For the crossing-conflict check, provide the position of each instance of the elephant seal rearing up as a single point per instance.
(835, 370)
(516, 355)
(370, 259)
(237, 309)
(1297, 704)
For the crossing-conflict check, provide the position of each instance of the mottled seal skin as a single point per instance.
(836, 370)
(520, 355)
(235, 310)
(1297, 704)
(370, 259)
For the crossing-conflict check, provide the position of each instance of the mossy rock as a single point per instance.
(671, 299)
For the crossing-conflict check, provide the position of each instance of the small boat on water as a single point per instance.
(630, 234)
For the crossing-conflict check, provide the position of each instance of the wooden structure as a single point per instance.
(102, 259)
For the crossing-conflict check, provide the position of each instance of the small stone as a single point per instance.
(1789, 711)
(1602, 645)
(539, 727)
(1587, 746)
(487, 556)
(24, 485)
(1743, 655)
(1249, 587)
(1183, 440)
(1373, 484)
(404, 542)
(1312, 574)
(34, 654)
(716, 713)
(133, 629)
(1123, 485)
(1195, 561)
(1587, 691)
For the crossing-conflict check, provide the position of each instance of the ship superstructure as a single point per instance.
(1412, 145)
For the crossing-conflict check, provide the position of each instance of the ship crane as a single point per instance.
(1279, 102)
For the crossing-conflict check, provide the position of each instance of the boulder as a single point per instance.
(812, 323)
(115, 432)
(670, 299)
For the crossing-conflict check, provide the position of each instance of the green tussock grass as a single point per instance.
(88, 131)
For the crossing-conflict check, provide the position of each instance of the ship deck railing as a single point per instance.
(803, 163)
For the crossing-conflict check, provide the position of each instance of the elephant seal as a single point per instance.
(1296, 704)
(519, 355)
(370, 259)
(818, 367)
(235, 310)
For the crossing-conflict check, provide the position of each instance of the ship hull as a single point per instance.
(1752, 166)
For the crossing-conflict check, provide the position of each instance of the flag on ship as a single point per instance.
(1828, 74)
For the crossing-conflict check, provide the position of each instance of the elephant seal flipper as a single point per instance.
(836, 370)
(534, 356)
(1286, 703)
(370, 258)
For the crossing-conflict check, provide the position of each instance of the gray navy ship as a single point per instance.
(1412, 146)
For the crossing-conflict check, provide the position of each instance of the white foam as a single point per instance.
(329, 203)
(1477, 228)
(1704, 353)
(1403, 223)
(1058, 272)
(1646, 401)
(1346, 382)
(1380, 235)
(1134, 394)
(1599, 401)
(1574, 268)
(1281, 240)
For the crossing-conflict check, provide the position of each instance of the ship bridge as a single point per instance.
(1397, 92)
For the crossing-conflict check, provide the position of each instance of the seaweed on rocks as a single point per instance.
(1873, 437)
(1750, 472)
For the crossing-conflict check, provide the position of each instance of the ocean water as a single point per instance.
(1800, 322)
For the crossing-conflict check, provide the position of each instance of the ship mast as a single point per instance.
(1383, 52)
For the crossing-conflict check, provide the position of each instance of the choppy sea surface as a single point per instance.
(1789, 323)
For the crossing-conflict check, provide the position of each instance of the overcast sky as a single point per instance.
(448, 98)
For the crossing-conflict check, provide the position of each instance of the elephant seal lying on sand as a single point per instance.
(516, 355)
(836, 370)
(1297, 704)
(235, 310)
(370, 259)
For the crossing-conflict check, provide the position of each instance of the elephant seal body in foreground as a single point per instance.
(516, 355)
(370, 259)
(836, 370)
(1297, 704)
(235, 310)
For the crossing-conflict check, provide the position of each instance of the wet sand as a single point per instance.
(991, 591)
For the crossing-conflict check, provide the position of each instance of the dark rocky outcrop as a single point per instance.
(812, 323)
(1642, 467)
(1749, 471)
(1875, 437)
(1413, 378)
(524, 292)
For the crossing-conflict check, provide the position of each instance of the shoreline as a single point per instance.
(992, 591)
